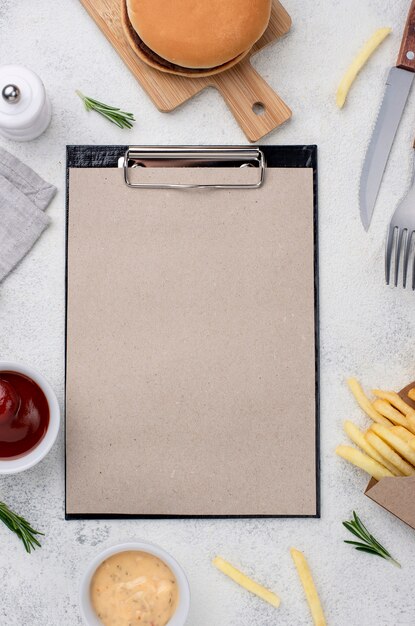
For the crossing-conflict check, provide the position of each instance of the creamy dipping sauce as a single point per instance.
(134, 588)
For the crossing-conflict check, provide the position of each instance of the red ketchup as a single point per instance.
(24, 415)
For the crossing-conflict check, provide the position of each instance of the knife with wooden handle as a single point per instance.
(398, 85)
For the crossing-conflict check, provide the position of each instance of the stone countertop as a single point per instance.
(367, 329)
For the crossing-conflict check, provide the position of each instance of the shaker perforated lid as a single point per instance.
(22, 108)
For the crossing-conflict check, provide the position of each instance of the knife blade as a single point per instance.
(396, 94)
(398, 86)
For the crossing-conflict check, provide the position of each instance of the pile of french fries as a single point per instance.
(387, 447)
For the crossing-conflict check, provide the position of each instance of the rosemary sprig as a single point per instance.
(114, 115)
(20, 527)
(368, 543)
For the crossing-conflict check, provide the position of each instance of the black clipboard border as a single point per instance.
(87, 156)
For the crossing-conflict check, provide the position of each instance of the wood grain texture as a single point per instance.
(408, 42)
(241, 86)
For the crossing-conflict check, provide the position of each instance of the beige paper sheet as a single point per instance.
(190, 347)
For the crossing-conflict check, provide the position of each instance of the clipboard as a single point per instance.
(186, 270)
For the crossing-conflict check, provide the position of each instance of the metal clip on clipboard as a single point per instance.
(182, 156)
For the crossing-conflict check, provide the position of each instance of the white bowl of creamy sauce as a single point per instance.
(135, 584)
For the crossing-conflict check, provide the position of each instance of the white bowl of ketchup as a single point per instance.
(104, 559)
(29, 417)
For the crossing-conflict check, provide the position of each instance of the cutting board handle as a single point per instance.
(256, 107)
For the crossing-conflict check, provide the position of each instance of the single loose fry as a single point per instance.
(403, 433)
(372, 467)
(309, 587)
(246, 582)
(387, 410)
(411, 393)
(401, 466)
(395, 442)
(365, 403)
(356, 435)
(396, 400)
(358, 62)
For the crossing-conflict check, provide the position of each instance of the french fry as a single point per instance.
(403, 433)
(387, 410)
(383, 460)
(402, 467)
(400, 446)
(411, 393)
(358, 437)
(246, 582)
(396, 400)
(411, 422)
(365, 403)
(358, 62)
(309, 587)
(372, 467)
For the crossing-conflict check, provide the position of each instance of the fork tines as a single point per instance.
(400, 246)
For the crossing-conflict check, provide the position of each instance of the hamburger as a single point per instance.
(194, 37)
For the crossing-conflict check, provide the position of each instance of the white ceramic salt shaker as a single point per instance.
(25, 109)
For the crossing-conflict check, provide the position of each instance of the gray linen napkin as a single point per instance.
(23, 198)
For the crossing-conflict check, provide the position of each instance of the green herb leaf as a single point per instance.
(370, 544)
(355, 543)
(20, 527)
(368, 550)
(112, 114)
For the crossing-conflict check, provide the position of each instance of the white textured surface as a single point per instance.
(366, 328)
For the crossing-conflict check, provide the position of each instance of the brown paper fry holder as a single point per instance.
(396, 495)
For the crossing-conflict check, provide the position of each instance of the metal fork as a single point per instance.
(400, 241)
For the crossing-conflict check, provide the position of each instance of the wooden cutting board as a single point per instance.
(256, 107)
